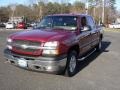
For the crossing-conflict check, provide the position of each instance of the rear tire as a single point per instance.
(71, 64)
(99, 46)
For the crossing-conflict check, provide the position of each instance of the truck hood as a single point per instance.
(42, 35)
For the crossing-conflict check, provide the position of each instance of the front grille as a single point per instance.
(25, 50)
(25, 42)
(17, 45)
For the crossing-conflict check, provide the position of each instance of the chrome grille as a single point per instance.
(25, 50)
(17, 44)
(24, 42)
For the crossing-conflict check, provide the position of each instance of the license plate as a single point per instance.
(22, 62)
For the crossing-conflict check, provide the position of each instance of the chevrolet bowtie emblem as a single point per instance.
(24, 46)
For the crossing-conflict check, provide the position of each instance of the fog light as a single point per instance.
(49, 68)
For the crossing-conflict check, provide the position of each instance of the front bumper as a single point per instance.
(53, 65)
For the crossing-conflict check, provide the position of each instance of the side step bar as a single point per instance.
(83, 58)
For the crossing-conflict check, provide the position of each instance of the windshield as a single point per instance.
(9, 23)
(62, 22)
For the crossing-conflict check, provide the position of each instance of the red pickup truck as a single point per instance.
(56, 44)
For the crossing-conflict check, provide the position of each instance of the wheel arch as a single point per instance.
(74, 47)
(101, 36)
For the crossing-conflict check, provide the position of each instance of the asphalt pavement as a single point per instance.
(100, 71)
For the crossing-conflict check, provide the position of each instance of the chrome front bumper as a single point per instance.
(53, 65)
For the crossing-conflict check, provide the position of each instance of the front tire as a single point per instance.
(71, 64)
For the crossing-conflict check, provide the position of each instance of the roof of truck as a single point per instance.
(69, 14)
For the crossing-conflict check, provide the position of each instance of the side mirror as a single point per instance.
(85, 28)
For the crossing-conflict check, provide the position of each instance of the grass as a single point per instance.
(111, 30)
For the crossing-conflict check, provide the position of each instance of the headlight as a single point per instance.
(50, 52)
(51, 48)
(9, 40)
(51, 44)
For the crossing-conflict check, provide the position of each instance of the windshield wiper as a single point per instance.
(42, 27)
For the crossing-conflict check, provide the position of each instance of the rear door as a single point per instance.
(94, 31)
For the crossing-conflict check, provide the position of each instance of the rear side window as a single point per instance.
(83, 21)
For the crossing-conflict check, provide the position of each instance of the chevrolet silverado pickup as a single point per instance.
(55, 45)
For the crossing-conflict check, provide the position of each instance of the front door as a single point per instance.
(84, 37)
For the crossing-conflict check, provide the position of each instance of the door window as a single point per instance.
(90, 22)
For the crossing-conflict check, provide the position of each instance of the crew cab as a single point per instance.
(56, 45)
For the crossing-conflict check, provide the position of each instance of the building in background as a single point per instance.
(17, 20)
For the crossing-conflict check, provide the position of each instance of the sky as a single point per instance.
(7, 2)
(27, 2)
(118, 4)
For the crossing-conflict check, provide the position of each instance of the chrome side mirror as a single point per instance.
(85, 28)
